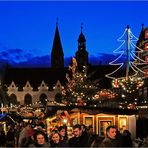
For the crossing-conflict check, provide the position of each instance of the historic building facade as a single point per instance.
(29, 96)
(142, 44)
(28, 86)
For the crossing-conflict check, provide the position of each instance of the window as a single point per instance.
(146, 46)
(123, 124)
(146, 34)
(146, 72)
(102, 123)
(146, 59)
(88, 120)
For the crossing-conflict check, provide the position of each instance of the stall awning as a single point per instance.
(2, 115)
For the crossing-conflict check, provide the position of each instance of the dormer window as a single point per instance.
(146, 72)
(146, 46)
(146, 34)
(146, 59)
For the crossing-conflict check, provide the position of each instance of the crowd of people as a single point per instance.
(82, 136)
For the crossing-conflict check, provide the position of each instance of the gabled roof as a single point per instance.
(35, 76)
(142, 37)
(50, 76)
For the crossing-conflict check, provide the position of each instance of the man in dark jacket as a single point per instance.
(110, 139)
(79, 140)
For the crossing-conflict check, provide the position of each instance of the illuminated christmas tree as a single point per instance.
(130, 81)
(79, 88)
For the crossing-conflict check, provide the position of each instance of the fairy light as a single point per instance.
(78, 89)
(131, 83)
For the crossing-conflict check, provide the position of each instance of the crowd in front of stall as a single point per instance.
(28, 136)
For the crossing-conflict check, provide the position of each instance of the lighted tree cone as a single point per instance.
(132, 63)
(128, 82)
(129, 85)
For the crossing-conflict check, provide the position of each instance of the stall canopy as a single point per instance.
(2, 116)
(10, 117)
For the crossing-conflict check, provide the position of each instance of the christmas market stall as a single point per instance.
(97, 117)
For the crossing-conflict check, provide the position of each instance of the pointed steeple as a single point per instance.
(57, 55)
(81, 54)
(81, 38)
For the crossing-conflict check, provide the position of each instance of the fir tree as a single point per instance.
(79, 88)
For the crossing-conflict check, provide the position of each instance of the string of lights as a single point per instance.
(129, 83)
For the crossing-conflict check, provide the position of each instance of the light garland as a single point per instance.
(128, 83)
(133, 64)
(78, 89)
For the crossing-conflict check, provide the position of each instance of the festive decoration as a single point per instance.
(78, 88)
(130, 81)
(105, 94)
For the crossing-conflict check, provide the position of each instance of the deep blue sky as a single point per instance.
(27, 28)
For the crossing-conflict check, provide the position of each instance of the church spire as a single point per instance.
(81, 39)
(57, 55)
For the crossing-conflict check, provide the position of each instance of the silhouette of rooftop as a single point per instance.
(51, 75)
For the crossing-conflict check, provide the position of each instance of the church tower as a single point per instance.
(57, 55)
(81, 54)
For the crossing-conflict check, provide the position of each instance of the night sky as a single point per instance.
(27, 28)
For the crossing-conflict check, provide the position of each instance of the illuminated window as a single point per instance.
(146, 46)
(146, 72)
(146, 34)
(146, 59)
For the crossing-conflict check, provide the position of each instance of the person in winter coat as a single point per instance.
(40, 140)
(63, 134)
(79, 140)
(126, 139)
(2, 136)
(10, 142)
(55, 140)
(110, 139)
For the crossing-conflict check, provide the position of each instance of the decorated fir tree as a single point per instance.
(79, 88)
